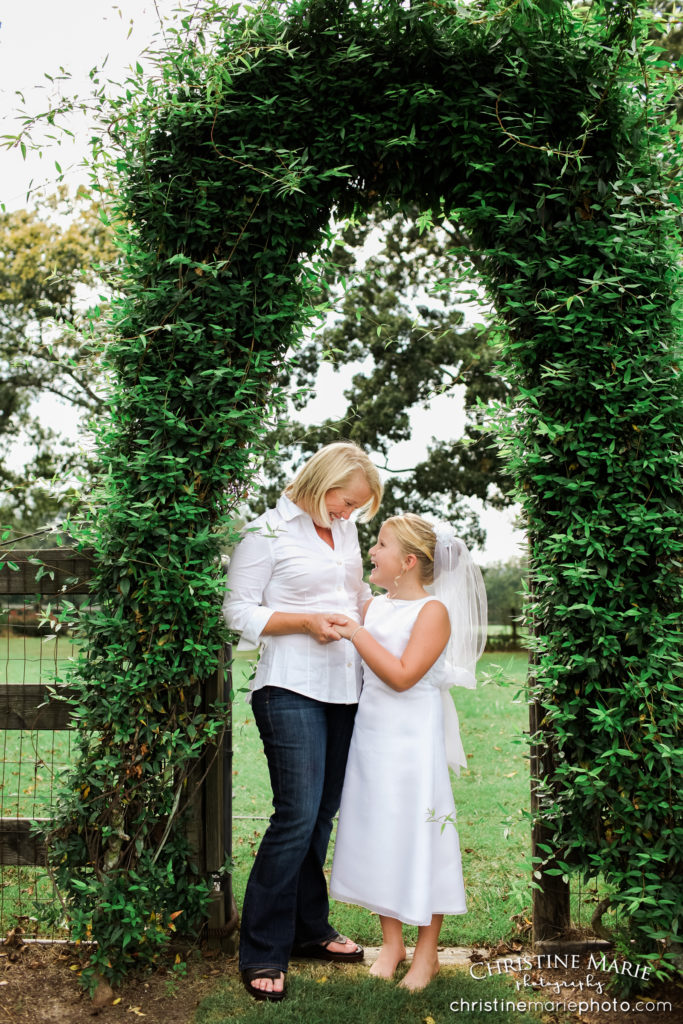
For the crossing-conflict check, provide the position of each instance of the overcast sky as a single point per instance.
(42, 36)
(37, 37)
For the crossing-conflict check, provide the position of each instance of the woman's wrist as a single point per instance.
(356, 630)
(306, 624)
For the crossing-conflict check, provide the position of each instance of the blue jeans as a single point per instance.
(286, 903)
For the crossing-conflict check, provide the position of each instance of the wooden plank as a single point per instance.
(214, 836)
(565, 947)
(60, 570)
(211, 828)
(30, 706)
(18, 847)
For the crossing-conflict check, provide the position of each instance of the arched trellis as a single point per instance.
(528, 128)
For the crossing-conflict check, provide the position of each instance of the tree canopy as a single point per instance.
(397, 325)
(53, 260)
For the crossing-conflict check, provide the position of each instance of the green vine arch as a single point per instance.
(536, 125)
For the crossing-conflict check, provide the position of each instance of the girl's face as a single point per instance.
(340, 502)
(387, 559)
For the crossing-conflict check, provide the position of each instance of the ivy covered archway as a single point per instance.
(534, 127)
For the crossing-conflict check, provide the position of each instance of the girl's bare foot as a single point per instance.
(420, 974)
(388, 960)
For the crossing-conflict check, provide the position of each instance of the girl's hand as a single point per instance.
(344, 626)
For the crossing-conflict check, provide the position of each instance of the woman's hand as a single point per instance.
(323, 627)
(344, 626)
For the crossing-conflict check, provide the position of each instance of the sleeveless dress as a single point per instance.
(397, 850)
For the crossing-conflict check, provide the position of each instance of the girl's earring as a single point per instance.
(397, 578)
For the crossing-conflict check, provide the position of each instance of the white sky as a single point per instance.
(42, 36)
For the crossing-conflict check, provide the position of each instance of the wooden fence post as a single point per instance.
(550, 895)
(216, 816)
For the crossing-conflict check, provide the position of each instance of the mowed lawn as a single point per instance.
(30, 760)
(491, 795)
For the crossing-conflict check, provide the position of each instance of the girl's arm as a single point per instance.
(428, 639)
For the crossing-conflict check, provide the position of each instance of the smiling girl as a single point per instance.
(397, 850)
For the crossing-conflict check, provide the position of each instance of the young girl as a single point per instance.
(397, 851)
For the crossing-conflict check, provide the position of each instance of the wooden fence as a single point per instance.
(60, 573)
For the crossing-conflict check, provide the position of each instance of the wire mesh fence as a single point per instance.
(35, 743)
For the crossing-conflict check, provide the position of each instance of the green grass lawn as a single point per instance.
(328, 994)
(29, 761)
(29, 764)
(33, 659)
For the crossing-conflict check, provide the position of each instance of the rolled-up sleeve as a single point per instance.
(249, 572)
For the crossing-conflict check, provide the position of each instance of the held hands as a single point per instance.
(323, 626)
(345, 627)
(326, 628)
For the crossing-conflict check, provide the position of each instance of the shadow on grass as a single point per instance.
(332, 995)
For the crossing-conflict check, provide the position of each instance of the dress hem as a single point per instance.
(385, 912)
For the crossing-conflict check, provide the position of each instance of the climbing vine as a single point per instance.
(536, 125)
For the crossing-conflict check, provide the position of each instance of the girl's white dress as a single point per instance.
(397, 850)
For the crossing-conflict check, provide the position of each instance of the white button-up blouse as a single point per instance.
(281, 564)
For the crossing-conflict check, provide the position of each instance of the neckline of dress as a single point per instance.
(408, 600)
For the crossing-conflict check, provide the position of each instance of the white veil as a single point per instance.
(458, 583)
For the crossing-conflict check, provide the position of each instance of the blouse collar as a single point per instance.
(288, 509)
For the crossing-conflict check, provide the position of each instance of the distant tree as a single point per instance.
(54, 260)
(398, 326)
(504, 589)
(667, 31)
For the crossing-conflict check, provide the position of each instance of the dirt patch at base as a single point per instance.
(39, 985)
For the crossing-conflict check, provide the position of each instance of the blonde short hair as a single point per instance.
(330, 467)
(416, 536)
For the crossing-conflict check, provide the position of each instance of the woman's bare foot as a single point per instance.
(387, 961)
(420, 974)
(268, 984)
(342, 947)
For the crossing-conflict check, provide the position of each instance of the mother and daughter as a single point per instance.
(295, 586)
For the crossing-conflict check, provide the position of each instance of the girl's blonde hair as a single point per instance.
(416, 537)
(332, 467)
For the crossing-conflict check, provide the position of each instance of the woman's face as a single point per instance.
(387, 559)
(340, 502)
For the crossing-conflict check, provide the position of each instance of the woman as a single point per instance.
(296, 568)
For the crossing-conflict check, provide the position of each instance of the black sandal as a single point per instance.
(249, 974)
(319, 951)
